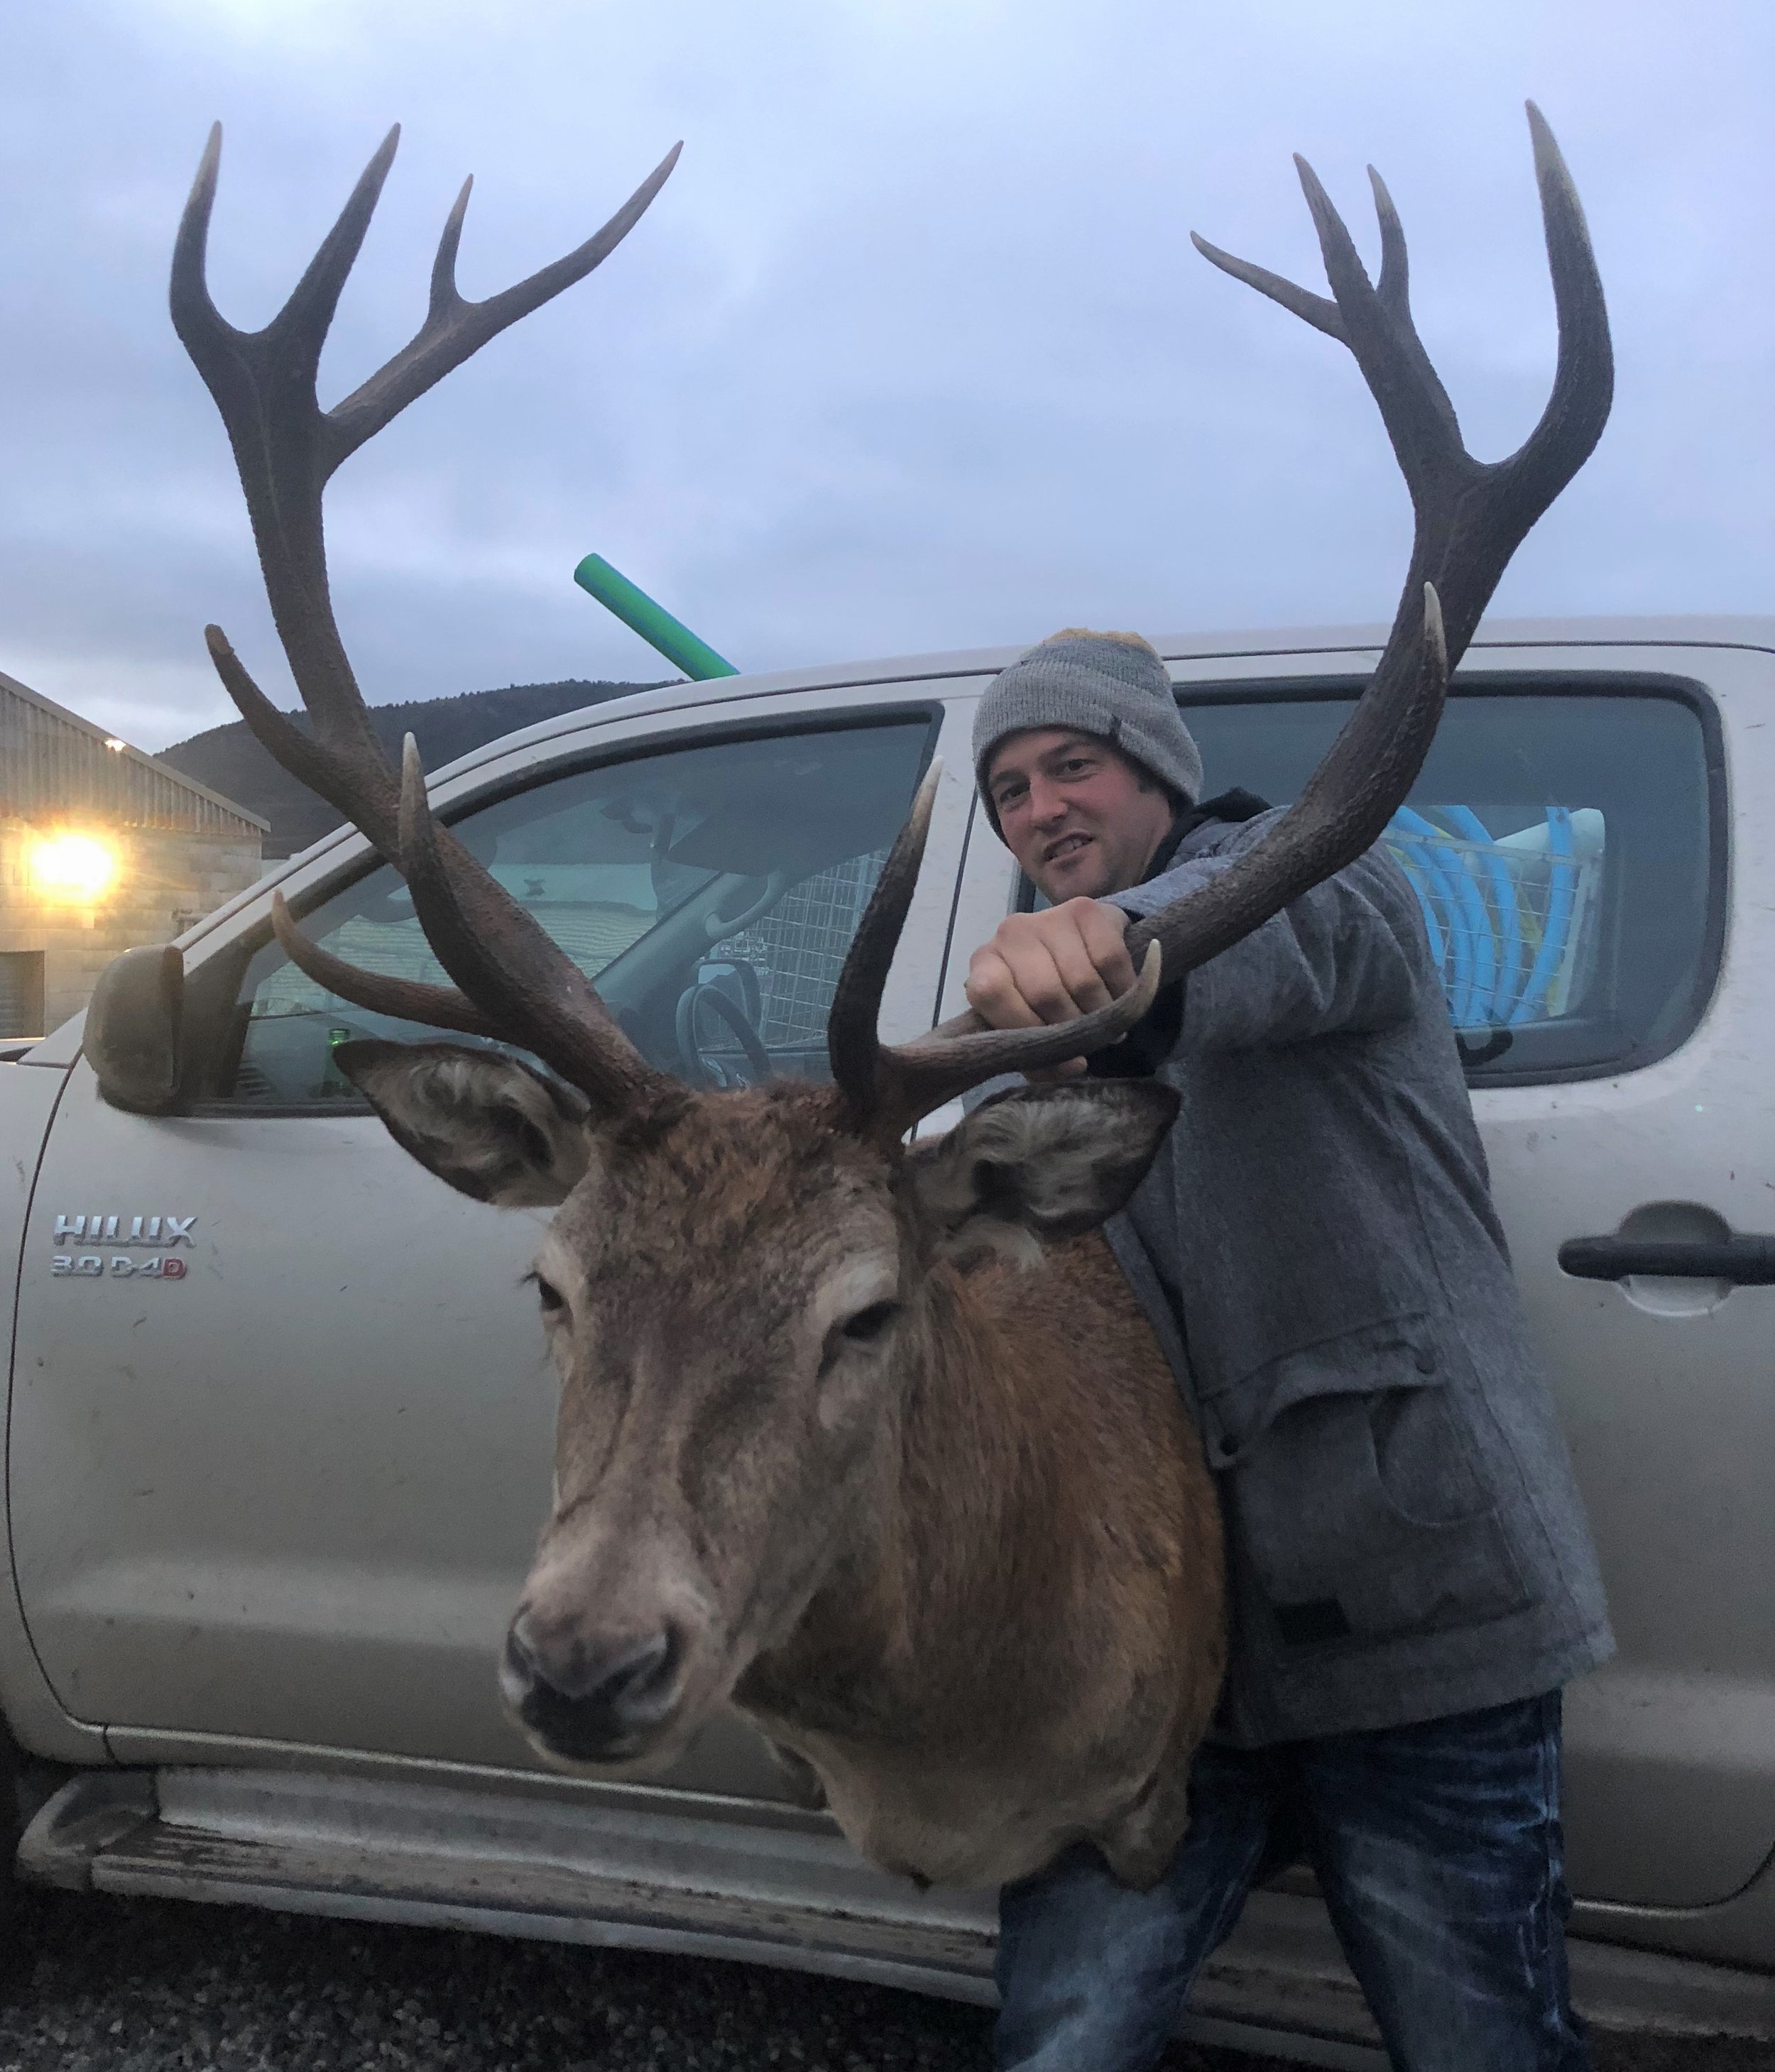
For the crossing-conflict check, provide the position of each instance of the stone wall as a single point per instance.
(165, 881)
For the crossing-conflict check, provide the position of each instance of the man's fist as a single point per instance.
(1050, 967)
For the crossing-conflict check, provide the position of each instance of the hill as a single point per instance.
(230, 761)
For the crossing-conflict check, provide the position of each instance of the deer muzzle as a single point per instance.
(614, 1643)
(595, 1698)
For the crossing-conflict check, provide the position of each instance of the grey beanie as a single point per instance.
(1112, 685)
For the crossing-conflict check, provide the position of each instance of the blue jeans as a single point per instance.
(1438, 1847)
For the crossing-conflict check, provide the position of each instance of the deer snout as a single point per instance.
(590, 1698)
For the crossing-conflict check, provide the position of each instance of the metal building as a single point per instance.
(101, 848)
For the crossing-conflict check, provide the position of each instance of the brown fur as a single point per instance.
(971, 1577)
(1035, 1646)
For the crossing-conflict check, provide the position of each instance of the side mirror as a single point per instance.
(131, 1039)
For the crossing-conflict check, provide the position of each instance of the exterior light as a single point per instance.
(74, 866)
(116, 746)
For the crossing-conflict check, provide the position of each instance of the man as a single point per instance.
(1411, 1578)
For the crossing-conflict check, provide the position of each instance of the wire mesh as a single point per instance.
(1511, 920)
(797, 950)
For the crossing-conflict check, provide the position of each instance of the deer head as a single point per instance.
(739, 1286)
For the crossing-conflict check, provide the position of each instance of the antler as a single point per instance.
(887, 1087)
(1470, 517)
(515, 980)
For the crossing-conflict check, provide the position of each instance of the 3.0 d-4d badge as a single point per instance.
(163, 1231)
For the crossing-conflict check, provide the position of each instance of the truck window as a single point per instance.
(711, 890)
(1564, 843)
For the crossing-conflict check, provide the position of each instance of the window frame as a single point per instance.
(212, 1028)
(1487, 683)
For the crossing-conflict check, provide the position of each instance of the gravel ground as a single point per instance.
(141, 1986)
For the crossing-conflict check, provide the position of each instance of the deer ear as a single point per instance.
(497, 1130)
(1039, 1162)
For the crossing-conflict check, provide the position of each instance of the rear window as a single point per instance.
(1565, 841)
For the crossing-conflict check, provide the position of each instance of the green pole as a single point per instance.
(654, 623)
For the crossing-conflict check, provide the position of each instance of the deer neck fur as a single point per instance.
(1023, 1622)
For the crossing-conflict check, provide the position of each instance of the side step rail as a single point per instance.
(654, 1871)
(659, 1870)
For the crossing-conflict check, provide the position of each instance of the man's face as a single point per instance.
(1079, 816)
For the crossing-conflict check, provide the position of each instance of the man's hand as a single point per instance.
(1050, 967)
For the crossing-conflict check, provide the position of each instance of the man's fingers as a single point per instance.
(1050, 967)
(1104, 931)
(1014, 982)
(1079, 972)
(1040, 983)
(992, 993)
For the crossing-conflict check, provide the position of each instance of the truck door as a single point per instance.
(281, 1420)
(1570, 844)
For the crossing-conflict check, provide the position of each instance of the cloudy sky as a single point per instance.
(913, 351)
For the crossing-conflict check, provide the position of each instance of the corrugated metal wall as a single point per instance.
(50, 765)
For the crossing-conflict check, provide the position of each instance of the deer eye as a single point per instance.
(548, 1295)
(867, 1325)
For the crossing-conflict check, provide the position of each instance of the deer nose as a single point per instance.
(589, 1701)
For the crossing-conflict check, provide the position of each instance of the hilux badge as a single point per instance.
(162, 1232)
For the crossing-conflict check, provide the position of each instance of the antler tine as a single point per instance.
(1342, 812)
(307, 315)
(1414, 407)
(912, 1080)
(1320, 311)
(886, 1087)
(852, 1041)
(1470, 517)
(496, 950)
(1394, 285)
(263, 384)
(1482, 510)
(362, 790)
(287, 448)
(408, 1000)
(456, 328)
(1584, 375)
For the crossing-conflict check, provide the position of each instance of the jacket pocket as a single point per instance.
(1354, 1494)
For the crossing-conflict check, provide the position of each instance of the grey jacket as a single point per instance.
(1316, 1246)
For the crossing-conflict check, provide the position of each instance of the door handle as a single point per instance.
(1748, 1262)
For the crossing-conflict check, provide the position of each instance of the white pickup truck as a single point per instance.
(271, 1488)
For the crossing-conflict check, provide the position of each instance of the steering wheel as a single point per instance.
(712, 1071)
